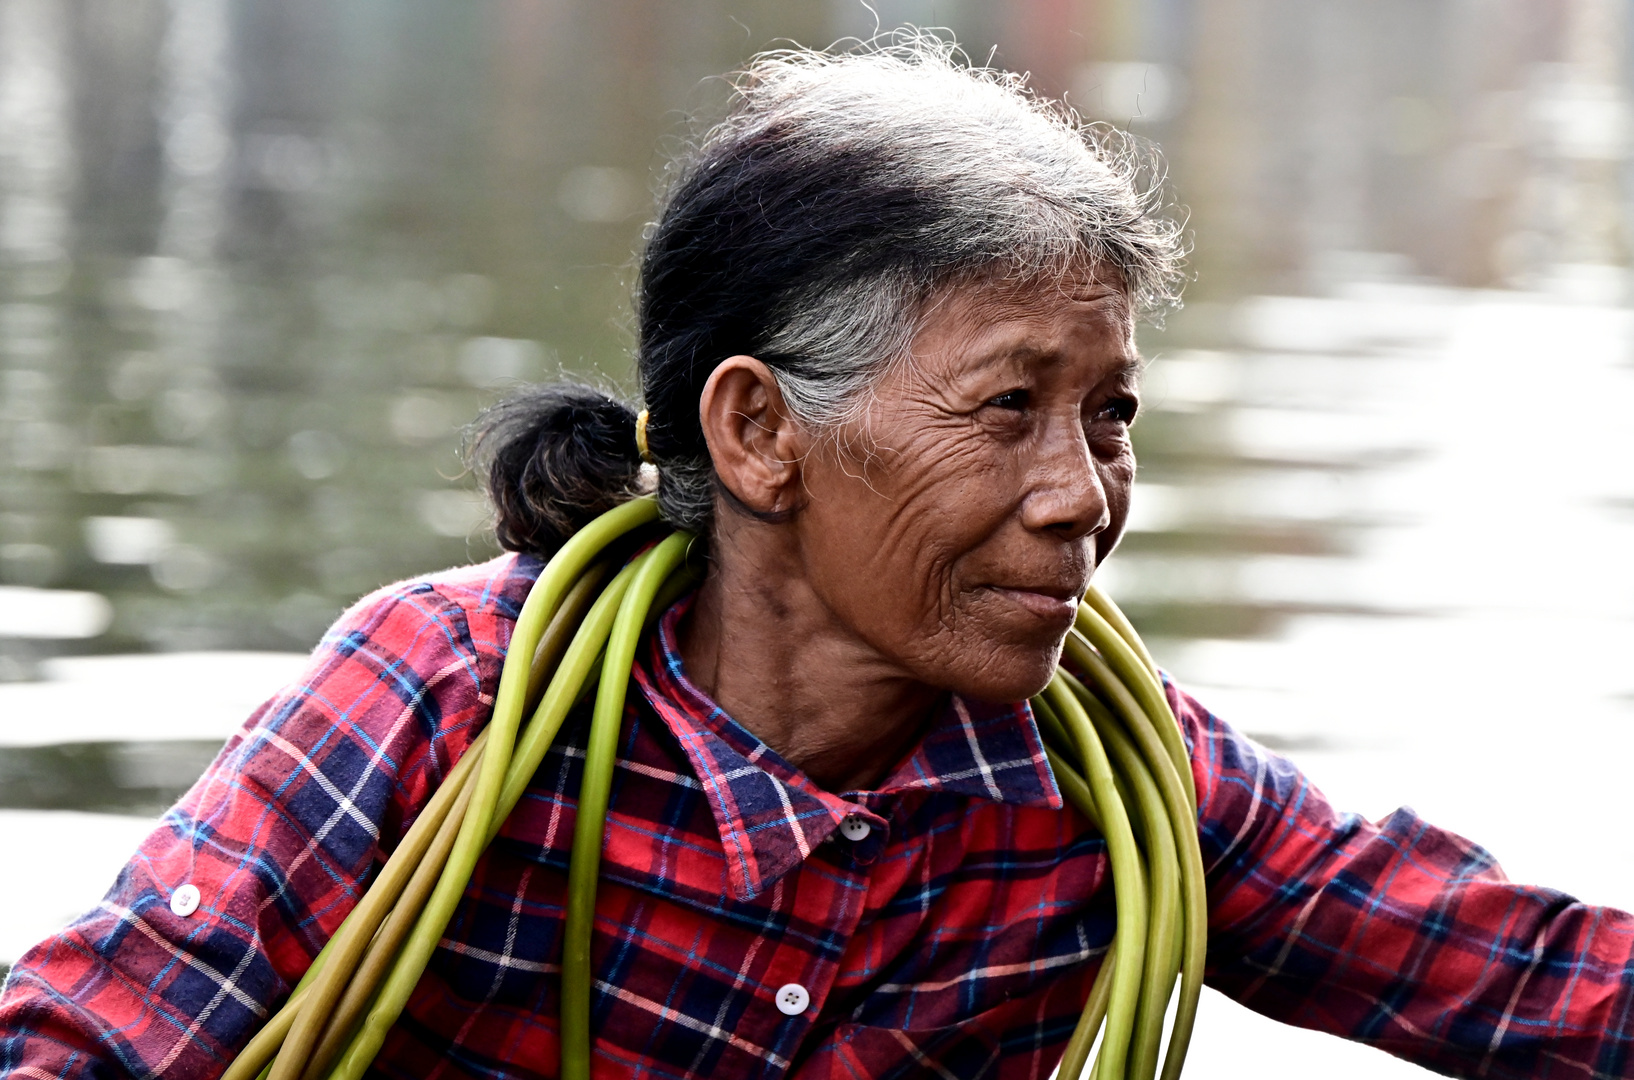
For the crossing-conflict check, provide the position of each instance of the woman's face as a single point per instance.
(955, 526)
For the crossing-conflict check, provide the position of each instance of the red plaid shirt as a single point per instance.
(957, 933)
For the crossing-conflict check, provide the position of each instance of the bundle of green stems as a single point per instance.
(1111, 740)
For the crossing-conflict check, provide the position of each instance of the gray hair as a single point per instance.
(813, 227)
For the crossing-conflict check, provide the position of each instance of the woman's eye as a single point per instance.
(1120, 410)
(1010, 399)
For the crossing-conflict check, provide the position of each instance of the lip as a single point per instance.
(1045, 601)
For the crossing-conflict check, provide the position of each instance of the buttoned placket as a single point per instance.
(824, 894)
(793, 965)
(796, 973)
(851, 851)
(816, 885)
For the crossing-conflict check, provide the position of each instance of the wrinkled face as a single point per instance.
(955, 527)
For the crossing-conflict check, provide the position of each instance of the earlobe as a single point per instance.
(755, 443)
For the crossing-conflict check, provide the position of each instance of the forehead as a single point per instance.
(1078, 317)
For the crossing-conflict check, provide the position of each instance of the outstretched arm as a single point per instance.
(1397, 933)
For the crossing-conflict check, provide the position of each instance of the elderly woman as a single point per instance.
(887, 350)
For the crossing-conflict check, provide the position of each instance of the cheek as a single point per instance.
(889, 534)
(900, 557)
(1118, 481)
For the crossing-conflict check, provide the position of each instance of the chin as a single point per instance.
(1010, 673)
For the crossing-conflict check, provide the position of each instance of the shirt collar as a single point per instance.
(771, 815)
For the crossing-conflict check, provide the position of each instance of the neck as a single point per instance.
(766, 649)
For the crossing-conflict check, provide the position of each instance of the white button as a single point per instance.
(855, 828)
(184, 901)
(792, 999)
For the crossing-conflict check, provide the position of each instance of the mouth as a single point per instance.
(1052, 603)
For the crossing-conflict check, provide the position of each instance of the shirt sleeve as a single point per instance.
(278, 837)
(1396, 933)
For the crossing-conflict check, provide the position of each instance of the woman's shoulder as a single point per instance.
(433, 643)
(410, 668)
(393, 693)
(492, 590)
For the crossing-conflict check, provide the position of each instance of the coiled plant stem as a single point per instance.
(1123, 700)
(590, 823)
(1110, 739)
(1128, 882)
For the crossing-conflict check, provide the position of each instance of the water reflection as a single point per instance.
(1462, 625)
(143, 778)
(259, 263)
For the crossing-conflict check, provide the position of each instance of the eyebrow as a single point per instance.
(1134, 365)
(1134, 362)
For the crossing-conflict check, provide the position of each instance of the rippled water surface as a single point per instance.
(248, 296)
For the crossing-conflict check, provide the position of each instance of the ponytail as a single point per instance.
(553, 457)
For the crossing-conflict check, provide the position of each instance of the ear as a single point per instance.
(756, 444)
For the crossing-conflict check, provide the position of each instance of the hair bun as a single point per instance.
(553, 457)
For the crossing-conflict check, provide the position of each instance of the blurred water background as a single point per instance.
(260, 261)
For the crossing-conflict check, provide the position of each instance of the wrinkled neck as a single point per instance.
(761, 643)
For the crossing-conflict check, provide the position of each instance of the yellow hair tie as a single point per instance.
(641, 437)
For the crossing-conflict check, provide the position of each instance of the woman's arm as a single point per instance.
(1397, 933)
(277, 838)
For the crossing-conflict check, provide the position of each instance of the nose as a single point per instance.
(1067, 494)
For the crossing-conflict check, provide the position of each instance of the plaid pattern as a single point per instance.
(957, 938)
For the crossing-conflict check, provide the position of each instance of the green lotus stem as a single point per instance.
(571, 678)
(255, 1060)
(588, 634)
(1194, 911)
(1058, 751)
(259, 1052)
(1050, 726)
(1103, 606)
(675, 586)
(1193, 940)
(334, 964)
(1076, 1055)
(1108, 685)
(1114, 749)
(1077, 793)
(355, 933)
(579, 672)
(590, 822)
(1101, 1068)
(1140, 817)
(1129, 887)
(1074, 789)
(377, 961)
(1162, 952)
(1183, 822)
(544, 598)
(364, 981)
(1119, 785)
(561, 631)
(1139, 683)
